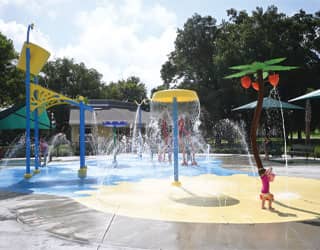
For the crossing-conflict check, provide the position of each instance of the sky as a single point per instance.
(119, 38)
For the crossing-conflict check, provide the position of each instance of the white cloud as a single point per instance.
(118, 38)
(18, 33)
(112, 40)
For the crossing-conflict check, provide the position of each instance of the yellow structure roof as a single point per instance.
(182, 95)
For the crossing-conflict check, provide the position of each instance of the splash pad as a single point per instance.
(206, 192)
(141, 188)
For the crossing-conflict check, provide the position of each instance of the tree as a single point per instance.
(191, 61)
(70, 79)
(190, 64)
(11, 79)
(204, 51)
(129, 90)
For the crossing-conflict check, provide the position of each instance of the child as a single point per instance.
(266, 177)
(44, 148)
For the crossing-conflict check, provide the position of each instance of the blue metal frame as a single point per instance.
(37, 162)
(81, 105)
(82, 135)
(27, 81)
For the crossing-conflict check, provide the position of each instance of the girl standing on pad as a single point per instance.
(266, 177)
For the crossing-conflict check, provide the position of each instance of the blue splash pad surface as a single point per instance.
(62, 178)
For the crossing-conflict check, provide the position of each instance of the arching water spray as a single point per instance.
(274, 93)
(208, 152)
(54, 146)
(17, 144)
(137, 138)
(229, 129)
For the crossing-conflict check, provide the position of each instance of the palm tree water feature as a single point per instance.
(260, 71)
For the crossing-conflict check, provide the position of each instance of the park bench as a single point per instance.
(302, 150)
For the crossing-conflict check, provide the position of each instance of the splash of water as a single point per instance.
(208, 152)
(55, 143)
(137, 138)
(233, 130)
(95, 145)
(15, 146)
(274, 93)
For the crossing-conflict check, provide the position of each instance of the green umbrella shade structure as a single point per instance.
(312, 95)
(269, 103)
(15, 118)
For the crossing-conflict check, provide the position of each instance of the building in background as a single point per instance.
(106, 110)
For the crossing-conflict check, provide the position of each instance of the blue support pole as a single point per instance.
(83, 169)
(28, 144)
(114, 130)
(36, 136)
(175, 142)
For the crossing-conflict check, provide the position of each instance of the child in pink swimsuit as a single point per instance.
(266, 177)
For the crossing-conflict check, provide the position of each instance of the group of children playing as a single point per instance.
(185, 142)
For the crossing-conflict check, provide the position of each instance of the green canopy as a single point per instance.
(15, 118)
(269, 103)
(312, 95)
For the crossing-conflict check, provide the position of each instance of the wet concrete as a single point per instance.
(51, 222)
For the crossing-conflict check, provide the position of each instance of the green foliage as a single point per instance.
(11, 80)
(192, 58)
(204, 52)
(263, 66)
(129, 90)
(72, 79)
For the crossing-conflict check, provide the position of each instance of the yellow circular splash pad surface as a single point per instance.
(209, 199)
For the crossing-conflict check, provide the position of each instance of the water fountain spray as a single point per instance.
(139, 126)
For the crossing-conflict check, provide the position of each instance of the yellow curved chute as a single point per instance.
(38, 58)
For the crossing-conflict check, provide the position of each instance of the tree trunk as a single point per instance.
(308, 120)
(255, 123)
